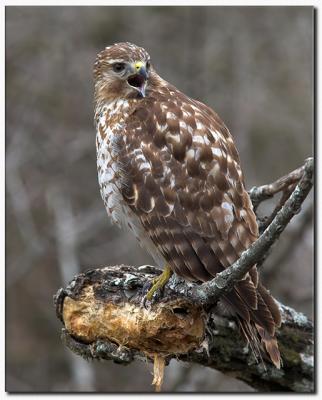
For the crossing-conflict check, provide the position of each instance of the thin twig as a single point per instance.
(285, 195)
(264, 192)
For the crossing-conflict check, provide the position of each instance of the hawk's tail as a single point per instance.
(258, 324)
(260, 342)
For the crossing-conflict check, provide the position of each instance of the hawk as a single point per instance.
(169, 171)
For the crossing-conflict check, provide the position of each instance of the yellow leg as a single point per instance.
(159, 282)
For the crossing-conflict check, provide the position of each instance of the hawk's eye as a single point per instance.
(147, 65)
(118, 67)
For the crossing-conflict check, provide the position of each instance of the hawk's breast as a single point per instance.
(110, 144)
(109, 123)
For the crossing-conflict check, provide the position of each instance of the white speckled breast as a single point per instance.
(107, 129)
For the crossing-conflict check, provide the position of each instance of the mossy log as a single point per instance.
(104, 317)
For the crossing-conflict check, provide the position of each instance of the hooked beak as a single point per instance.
(139, 78)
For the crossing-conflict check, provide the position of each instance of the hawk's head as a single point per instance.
(121, 71)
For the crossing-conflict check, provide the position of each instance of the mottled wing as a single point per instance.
(184, 183)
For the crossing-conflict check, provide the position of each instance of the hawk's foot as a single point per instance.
(159, 282)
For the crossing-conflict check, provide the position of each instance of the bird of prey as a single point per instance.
(169, 171)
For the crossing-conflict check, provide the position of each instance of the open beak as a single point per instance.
(139, 77)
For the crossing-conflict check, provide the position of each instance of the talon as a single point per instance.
(159, 282)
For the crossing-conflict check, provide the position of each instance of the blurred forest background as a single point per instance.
(252, 64)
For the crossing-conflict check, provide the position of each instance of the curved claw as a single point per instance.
(145, 289)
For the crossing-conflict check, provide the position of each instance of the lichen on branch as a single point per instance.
(99, 307)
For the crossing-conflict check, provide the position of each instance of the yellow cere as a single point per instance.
(138, 65)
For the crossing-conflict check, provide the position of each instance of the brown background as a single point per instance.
(252, 64)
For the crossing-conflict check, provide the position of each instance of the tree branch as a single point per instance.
(104, 318)
(258, 194)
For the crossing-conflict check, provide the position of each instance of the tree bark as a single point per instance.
(104, 318)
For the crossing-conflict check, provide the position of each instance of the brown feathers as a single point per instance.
(271, 346)
(168, 169)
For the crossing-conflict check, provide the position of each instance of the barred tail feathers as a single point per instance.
(258, 325)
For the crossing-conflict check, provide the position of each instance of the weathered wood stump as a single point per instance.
(104, 318)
